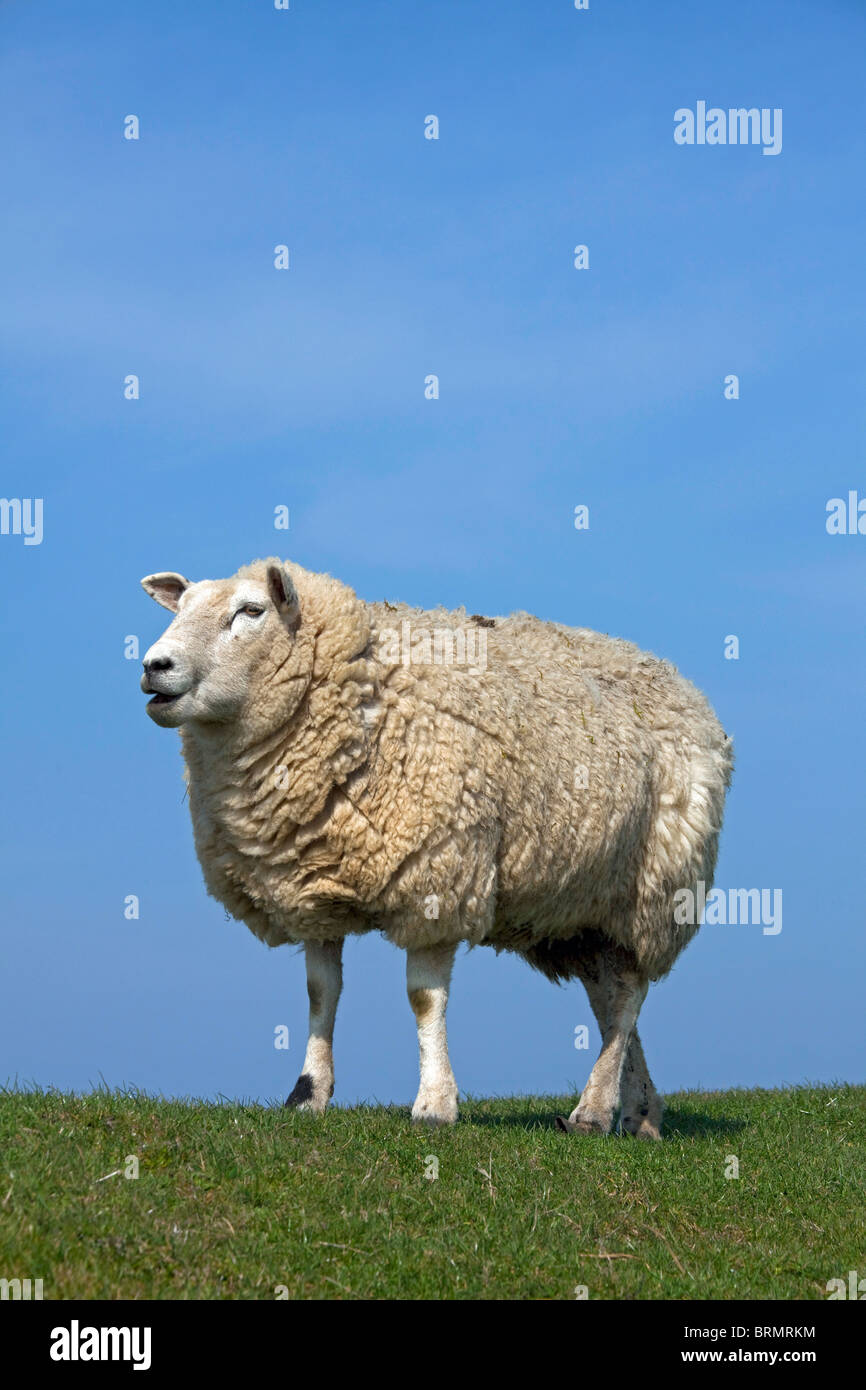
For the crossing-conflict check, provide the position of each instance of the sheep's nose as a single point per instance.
(157, 663)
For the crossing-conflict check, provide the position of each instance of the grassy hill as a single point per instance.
(232, 1201)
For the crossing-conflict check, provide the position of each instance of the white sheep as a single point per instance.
(441, 778)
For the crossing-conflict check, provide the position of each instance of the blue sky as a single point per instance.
(306, 388)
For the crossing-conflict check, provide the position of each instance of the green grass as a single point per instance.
(233, 1200)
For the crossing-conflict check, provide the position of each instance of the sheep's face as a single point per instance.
(201, 667)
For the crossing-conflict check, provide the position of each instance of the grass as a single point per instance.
(232, 1201)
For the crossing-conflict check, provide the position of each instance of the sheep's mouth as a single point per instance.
(160, 699)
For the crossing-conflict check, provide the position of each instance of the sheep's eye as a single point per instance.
(252, 610)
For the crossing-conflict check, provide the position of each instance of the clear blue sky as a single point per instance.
(305, 388)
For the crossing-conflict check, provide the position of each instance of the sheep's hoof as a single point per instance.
(641, 1127)
(570, 1126)
(303, 1096)
(645, 1130)
(434, 1112)
(644, 1126)
(649, 1132)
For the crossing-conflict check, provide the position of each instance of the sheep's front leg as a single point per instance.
(315, 1085)
(428, 974)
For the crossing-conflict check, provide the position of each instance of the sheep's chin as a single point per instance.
(168, 714)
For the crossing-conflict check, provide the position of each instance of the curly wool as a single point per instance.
(445, 802)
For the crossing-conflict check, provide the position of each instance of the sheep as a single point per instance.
(441, 778)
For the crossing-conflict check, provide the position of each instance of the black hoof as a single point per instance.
(303, 1091)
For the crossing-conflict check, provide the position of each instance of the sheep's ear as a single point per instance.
(166, 588)
(283, 592)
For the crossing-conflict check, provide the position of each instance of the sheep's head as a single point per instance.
(224, 631)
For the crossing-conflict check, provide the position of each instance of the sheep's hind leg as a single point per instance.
(315, 1085)
(642, 1107)
(428, 973)
(616, 993)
